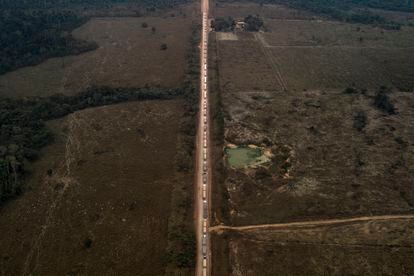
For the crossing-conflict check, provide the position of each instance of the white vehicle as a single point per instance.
(205, 146)
(204, 262)
(205, 66)
(204, 194)
(205, 156)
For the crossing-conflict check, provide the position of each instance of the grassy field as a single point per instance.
(128, 56)
(100, 198)
(334, 154)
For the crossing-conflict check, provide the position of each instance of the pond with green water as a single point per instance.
(245, 157)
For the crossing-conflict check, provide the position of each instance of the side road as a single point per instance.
(308, 224)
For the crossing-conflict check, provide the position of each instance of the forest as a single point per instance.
(30, 37)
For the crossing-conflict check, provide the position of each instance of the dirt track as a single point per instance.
(308, 224)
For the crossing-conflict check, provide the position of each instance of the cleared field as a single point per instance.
(337, 68)
(303, 54)
(100, 197)
(331, 33)
(128, 56)
(332, 168)
(243, 66)
(375, 248)
(333, 154)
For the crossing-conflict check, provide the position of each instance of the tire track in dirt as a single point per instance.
(308, 224)
(272, 61)
(63, 177)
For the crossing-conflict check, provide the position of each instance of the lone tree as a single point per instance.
(163, 47)
(153, 30)
(144, 25)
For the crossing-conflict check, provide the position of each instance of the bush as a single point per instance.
(253, 23)
(163, 47)
(360, 120)
(144, 25)
(221, 24)
(382, 101)
(350, 90)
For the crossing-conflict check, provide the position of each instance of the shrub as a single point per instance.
(360, 120)
(163, 47)
(253, 23)
(382, 101)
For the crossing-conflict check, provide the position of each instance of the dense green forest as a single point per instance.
(29, 37)
(396, 5)
(353, 11)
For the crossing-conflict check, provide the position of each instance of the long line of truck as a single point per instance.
(204, 242)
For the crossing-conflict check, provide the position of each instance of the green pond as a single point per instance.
(245, 157)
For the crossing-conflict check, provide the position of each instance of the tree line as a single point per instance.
(253, 23)
(352, 11)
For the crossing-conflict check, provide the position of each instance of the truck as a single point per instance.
(204, 262)
(205, 211)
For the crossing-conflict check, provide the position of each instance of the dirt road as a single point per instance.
(203, 177)
(308, 224)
